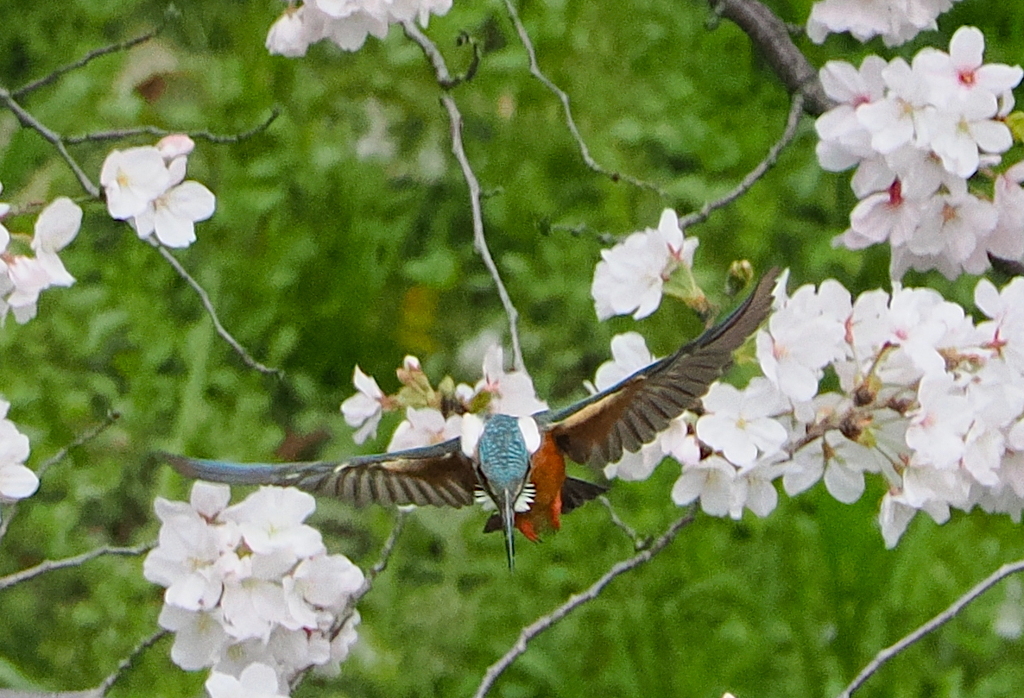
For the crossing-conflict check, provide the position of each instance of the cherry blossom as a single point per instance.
(173, 214)
(423, 427)
(251, 583)
(896, 22)
(512, 393)
(256, 681)
(937, 122)
(16, 481)
(132, 179)
(631, 275)
(364, 409)
(346, 23)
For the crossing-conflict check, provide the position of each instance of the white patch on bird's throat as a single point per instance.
(531, 433)
(523, 502)
(472, 430)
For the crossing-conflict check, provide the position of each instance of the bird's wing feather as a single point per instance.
(440, 475)
(630, 414)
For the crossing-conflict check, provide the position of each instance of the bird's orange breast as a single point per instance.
(547, 473)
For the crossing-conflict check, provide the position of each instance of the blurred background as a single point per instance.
(343, 236)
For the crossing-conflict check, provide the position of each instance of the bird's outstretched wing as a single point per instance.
(630, 414)
(440, 475)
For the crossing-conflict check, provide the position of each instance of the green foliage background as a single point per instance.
(318, 259)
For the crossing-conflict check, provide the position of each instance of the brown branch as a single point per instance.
(933, 624)
(771, 35)
(576, 600)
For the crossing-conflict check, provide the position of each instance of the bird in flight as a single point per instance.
(517, 464)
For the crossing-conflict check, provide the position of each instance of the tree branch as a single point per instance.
(84, 60)
(795, 112)
(119, 134)
(563, 97)
(84, 437)
(933, 624)
(576, 600)
(126, 663)
(29, 121)
(479, 240)
(212, 312)
(51, 565)
(771, 35)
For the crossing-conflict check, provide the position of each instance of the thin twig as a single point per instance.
(796, 109)
(120, 134)
(51, 565)
(479, 240)
(212, 312)
(933, 624)
(84, 437)
(84, 60)
(368, 580)
(563, 97)
(544, 622)
(639, 542)
(29, 121)
(125, 663)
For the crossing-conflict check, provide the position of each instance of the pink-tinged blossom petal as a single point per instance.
(712, 481)
(630, 276)
(292, 34)
(739, 424)
(364, 409)
(174, 146)
(512, 393)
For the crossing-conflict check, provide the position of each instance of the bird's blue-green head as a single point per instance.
(502, 446)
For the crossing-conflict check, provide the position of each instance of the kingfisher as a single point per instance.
(517, 464)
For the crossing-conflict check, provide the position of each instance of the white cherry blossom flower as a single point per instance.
(424, 427)
(512, 393)
(172, 214)
(256, 681)
(740, 424)
(133, 178)
(364, 409)
(630, 276)
(16, 481)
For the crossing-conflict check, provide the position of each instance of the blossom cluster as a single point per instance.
(250, 586)
(16, 481)
(22, 276)
(632, 276)
(436, 415)
(917, 134)
(896, 21)
(346, 23)
(144, 186)
(929, 401)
